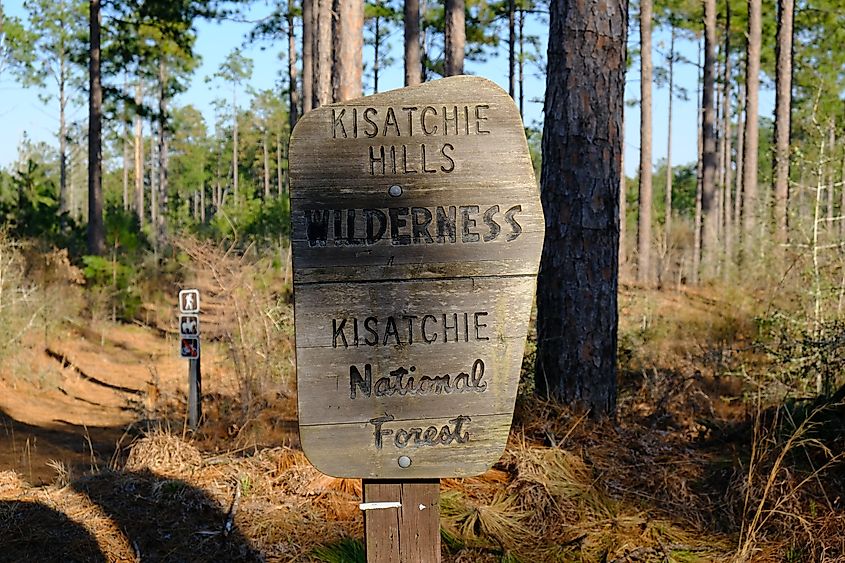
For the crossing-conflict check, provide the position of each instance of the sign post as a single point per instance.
(189, 347)
(417, 231)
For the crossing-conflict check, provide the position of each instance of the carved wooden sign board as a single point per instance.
(417, 231)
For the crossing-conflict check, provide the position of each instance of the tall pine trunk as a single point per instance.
(293, 91)
(740, 163)
(512, 48)
(783, 116)
(667, 225)
(348, 49)
(455, 37)
(727, 179)
(582, 147)
(752, 89)
(96, 228)
(139, 156)
(307, 55)
(413, 68)
(279, 171)
(163, 154)
(696, 245)
(521, 62)
(235, 148)
(645, 188)
(323, 53)
(709, 208)
(264, 142)
(125, 143)
(63, 204)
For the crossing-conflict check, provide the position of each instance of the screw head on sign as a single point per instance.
(404, 462)
(395, 190)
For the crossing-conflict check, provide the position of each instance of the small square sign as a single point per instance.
(189, 301)
(189, 325)
(189, 348)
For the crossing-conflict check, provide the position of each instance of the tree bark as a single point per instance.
(348, 60)
(582, 147)
(307, 55)
(645, 185)
(96, 228)
(323, 53)
(623, 208)
(709, 209)
(413, 67)
(752, 89)
(667, 224)
(139, 157)
(293, 91)
(455, 37)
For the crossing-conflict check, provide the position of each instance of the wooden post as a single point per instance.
(408, 534)
(194, 393)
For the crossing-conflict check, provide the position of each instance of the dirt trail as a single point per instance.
(71, 395)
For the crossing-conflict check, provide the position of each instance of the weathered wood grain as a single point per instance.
(416, 233)
(409, 534)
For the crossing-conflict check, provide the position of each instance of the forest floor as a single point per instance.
(96, 463)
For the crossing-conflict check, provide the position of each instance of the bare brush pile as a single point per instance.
(245, 301)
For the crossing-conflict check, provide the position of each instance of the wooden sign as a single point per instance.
(417, 231)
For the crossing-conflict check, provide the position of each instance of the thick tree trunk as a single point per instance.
(709, 208)
(582, 147)
(348, 49)
(455, 37)
(96, 228)
(413, 68)
(752, 89)
(423, 42)
(645, 191)
(293, 91)
(307, 55)
(139, 157)
(667, 224)
(323, 53)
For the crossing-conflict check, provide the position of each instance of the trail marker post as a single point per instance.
(189, 347)
(417, 231)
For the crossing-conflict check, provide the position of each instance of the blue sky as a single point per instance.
(21, 109)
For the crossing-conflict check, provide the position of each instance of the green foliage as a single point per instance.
(347, 550)
(115, 280)
(253, 220)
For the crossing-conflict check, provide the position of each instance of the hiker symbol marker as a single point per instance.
(189, 301)
(417, 231)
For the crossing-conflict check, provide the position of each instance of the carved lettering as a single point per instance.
(452, 432)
